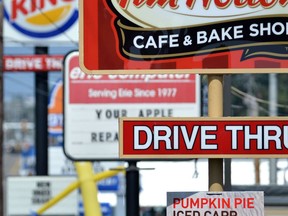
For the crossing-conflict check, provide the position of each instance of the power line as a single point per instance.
(241, 94)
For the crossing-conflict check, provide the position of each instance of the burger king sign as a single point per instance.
(45, 20)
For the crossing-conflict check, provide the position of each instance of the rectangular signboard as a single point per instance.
(34, 63)
(171, 36)
(27, 194)
(93, 104)
(203, 137)
(215, 203)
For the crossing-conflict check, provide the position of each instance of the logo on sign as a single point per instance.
(41, 18)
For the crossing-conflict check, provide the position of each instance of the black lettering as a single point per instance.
(93, 137)
(141, 113)
(104, 136)
(43, 184)
(116, 137)
(98, 113)
(207, 213)
(108, 114)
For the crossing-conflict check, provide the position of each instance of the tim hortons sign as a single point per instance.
(133, 36)
(203, 137)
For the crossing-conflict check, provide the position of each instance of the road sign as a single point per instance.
(171, 36)
(93, 104)
(220, 203)
(203, 138)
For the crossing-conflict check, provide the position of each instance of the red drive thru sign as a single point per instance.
(93, 104)
(168, 36)
(36, 63)
(203, 137)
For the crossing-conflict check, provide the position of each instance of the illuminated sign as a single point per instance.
(139, 36)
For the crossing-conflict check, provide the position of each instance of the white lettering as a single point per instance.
(234, 130)
(205, 137)
(136, 132)
(257, 136)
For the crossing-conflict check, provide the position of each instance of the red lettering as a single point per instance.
(151, 3)
(283, 3)
(237, 202)
(223, 4)
(123, 4)
(267, 4)
(176, 201)
(190, 3)
(206, 3)
(240, 3)
(17, 6)
(33, 5)
(204, 201)
(212, 203)
(250, 202)
(162, 3)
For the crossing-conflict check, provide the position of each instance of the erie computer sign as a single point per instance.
(93, 104)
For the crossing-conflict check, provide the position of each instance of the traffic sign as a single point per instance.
(135, 37)
(203, 138)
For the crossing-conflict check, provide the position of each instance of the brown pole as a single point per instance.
(215, 109)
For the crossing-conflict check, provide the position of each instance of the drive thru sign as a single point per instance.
(203, 137)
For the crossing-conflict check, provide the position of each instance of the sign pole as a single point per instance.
(132, 189)
(215, 109)
(41, 121)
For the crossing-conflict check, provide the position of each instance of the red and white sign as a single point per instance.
(168, 36)
(203, 137)
(40, 22)
(215, 204)
(93, 104)
(36, 63)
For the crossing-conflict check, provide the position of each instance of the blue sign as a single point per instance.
(109, 184)
(106, 209)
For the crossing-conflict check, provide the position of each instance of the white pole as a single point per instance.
(273, 100)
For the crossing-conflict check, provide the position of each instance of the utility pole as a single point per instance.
(252, 111)
(273, 99)
(1, 111)
(41, 121)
